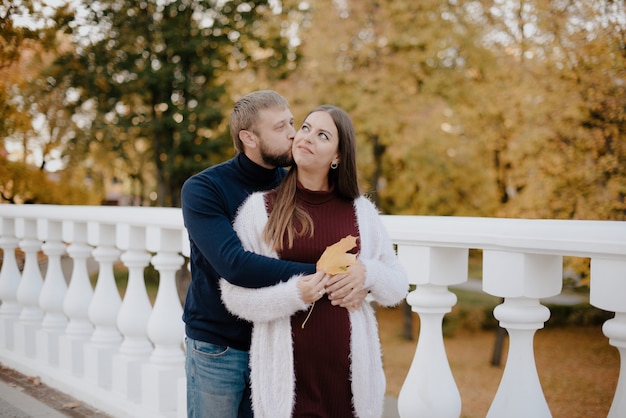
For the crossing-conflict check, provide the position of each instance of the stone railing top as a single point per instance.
(606, 239)
(155, 220)
(539, 236)
(135, 215)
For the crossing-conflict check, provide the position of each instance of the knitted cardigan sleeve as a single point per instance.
(268, 303)
(385, 277)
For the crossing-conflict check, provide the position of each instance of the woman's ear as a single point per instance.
(337, 159)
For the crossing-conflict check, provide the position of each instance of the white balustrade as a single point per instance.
(429, 389)
(28, 292)
(165, 329)
(76, 304)
(103, 310)
(125, 356)
(608, 292)
(522, 279)
(52, 296)
(9, 283)
(132, 320)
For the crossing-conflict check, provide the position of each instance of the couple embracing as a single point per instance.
(270, 330)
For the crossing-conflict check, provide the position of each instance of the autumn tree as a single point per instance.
(12, 40)
(34, 124)
(484, 108)
(565, 157)
(397, 67)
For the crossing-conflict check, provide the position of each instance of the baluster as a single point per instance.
(9, 283)
(52, 296)
(165, 329)
(28, 292)
(76, 304)
(522, 279)
(429, 389)
(133, 318)
(103, 311)
(608, 287)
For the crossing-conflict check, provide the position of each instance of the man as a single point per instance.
(261, 125)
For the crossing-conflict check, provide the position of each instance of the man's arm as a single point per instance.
(208, 222)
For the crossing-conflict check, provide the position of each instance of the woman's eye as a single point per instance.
(324, 136)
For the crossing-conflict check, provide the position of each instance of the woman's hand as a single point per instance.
(347, 290)
(312, 287)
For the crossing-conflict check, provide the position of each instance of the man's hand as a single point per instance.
(312, 286)
(346, 290)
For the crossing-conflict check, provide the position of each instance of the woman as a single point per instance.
(310, 357)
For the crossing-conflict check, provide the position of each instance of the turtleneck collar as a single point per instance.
(315, 197)
(252, 172)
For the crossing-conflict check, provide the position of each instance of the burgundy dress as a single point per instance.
(322, 346)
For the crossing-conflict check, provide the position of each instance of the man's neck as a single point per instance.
(258, 160)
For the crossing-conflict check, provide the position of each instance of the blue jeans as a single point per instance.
(218, 381)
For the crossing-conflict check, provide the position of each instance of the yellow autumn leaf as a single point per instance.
(336, 259)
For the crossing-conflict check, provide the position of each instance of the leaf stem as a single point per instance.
(308, 315)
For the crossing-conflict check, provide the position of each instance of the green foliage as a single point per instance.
(577, 315)
(158, 74)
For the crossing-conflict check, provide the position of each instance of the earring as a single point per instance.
(334, 165)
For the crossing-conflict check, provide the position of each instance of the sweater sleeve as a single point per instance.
(208, 222)
(263, 305)
(385, 277)
(268, 303)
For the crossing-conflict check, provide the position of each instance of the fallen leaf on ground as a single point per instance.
(35, 380)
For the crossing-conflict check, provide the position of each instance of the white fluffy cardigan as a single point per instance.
(271, 351)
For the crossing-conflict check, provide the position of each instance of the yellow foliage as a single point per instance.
(21, 183)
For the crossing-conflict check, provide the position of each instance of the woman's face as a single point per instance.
(315, 146)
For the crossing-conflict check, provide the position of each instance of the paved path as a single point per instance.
(15, 403)
(24, 396)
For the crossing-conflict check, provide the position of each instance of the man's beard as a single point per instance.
(277, 160)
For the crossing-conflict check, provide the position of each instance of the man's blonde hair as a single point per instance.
(245, 113)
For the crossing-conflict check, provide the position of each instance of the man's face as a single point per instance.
(275, 132)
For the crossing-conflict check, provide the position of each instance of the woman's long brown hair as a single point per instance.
(287, 218)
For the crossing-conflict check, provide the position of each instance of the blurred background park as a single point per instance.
(508, 108)
(490, 108)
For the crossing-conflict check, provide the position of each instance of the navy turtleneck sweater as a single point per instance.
(210, 200)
